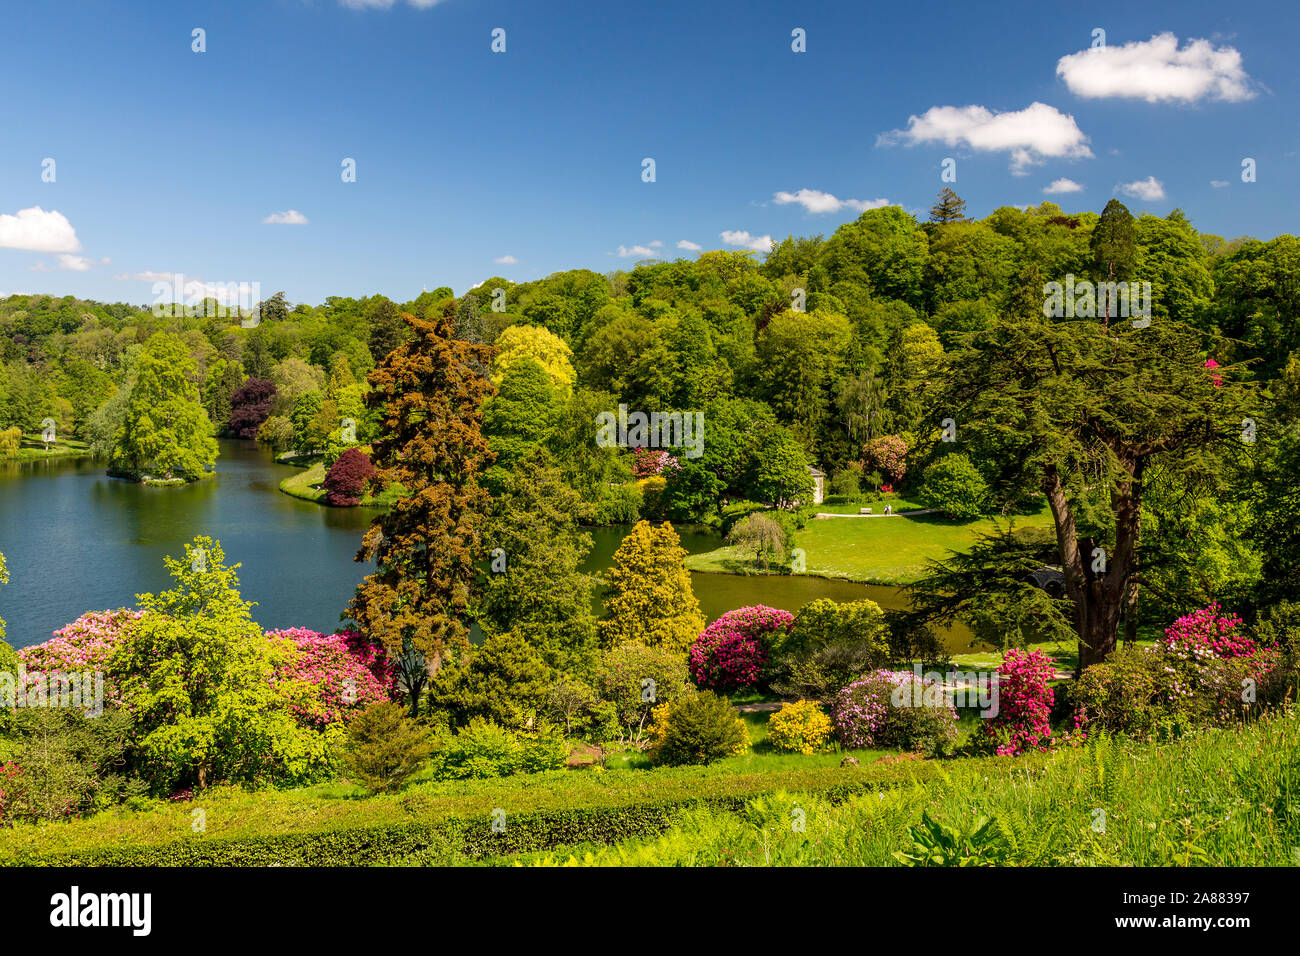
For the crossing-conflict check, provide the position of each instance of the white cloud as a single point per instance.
(1149, 189)
(1157, 71)
(1062, 185)
(80, 263)
(1218, 183)
(656, 243)
(816, 201)
(688, 245)
(742, 238)
(638, 251)
(36, 230)
(1030, 135)
(505, 260)
(290, 217)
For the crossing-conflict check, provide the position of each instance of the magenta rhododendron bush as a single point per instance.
(349, 672)
(1023, 722)
(84, 645)
(1208, 630)
(730, 653)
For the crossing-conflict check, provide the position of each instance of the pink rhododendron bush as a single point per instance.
(731, 652)
(1023, 721)
(349, 673)
(84, 645)
(341, 672)
(895, 709)
(1206, 671)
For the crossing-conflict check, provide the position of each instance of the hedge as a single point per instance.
(352, 840)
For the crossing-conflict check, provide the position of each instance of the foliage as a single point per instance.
(895, 709)
(196, 675)
(345, 673)
(485, 749)
(799, 727)
(424, 546)
(165, 431)
(504, 680)
(697, 727)
(1023, 720)
(955, 487)
(348, 478)
(760, 535)
(829, 645)
(634, 679)
(250, 406)
(651, 601)
(732, 652)
(385, 747)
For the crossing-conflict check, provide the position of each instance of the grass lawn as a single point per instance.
(890, 551)
(306, 484)
(33, 449)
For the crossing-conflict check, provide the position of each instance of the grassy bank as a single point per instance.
(1225, 798)
(33, 449)
(890, 551)
(306, 484)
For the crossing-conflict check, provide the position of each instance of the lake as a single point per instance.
(77, 540)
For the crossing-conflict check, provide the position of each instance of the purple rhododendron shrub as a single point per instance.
(730, 653)
(349, 672)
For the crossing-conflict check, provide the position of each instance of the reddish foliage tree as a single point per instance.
(249, 407)
(348, 478)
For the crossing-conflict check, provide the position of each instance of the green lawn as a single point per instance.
(33, 449)
(306, 484)
(891, 551)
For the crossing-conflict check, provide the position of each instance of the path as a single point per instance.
(896, 514)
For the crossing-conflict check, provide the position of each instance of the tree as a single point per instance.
(425, 545)
(955, 487)
(543, 346)
(519, 416)
(762, 536)
(651, 601)
(250, 406)
(348, 478)
(195, 673)
(829, 645)
(504, 681)
(948, 208)
(534, 585)
(385, 747)
(1085, 411)
(166, 432)
(777, 474)
(1113, 246)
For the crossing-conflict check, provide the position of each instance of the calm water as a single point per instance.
(77, 540)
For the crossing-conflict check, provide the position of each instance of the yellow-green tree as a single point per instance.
(651, 600)
(533, 341)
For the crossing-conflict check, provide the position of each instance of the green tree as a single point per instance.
(196, 674)
(166, 432)
(949, 207)
(1113, 246)
(385, 747)
(534, 586)
(504, 680)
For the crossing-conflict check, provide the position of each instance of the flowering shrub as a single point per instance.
(800, 727)
(647, 462)
(1217, 379)
(1208, 630)
(887, 455)
(348, 673)
(894, 709)
(84, 645)
(1206, 671)
(1023, 721)
(730, 653)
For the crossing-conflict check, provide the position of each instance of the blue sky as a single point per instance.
(169, 161)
